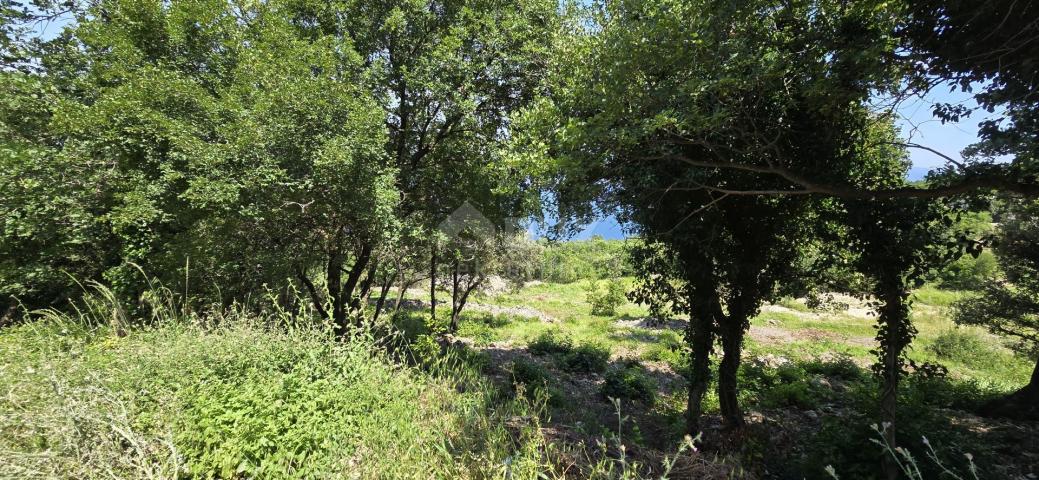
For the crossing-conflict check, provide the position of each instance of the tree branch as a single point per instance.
(809, 186)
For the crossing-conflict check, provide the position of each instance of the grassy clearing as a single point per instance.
(806, 369)
(252, 396)
(241, 399)
(797, 333)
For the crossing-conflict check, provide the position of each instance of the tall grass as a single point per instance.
(94, 393)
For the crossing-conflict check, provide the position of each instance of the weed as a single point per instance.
(586, 358)
(958, 344)
(629, 381)
(606, 296)
(550, 342)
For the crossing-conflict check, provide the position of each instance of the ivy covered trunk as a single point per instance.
(700, 338)
(732, 333)
(894, 334)
(433, 283)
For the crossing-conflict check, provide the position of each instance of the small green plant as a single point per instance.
(480, 332)
(550, 342)
(425, 350)
(535, 379)
(605, 296)
(583, 358)
(958, 344)
(799, 395)
(841, 367)
(586, 358)
(629, 381)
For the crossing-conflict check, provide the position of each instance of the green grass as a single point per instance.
(935, 297)
(238, 400)
(257, 397)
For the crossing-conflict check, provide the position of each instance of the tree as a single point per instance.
(1009, 306)
(897, 243)
(211, 138)
(257, 143)
(660, 91)
(908, 49)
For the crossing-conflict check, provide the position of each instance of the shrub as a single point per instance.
(958, 344)
(629, 382)
(841, 367)
(586, 358)
(550, 342)
(800, 395)
(969, 273)
(411, 324)
(425, 350)
(943, 392)
(480, 332)
(606, 296)
(535, 379)
(464, 356)
(824, 302)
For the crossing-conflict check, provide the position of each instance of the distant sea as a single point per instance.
(917, 173)
(610, 229)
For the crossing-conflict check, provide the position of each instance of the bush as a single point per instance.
(841, 367)
(958, 344)
(798, 395)
(550, 342)
(425, 350)
(480, 332)
(969, 273)
(535, 379)
(606, 296)
(583, 358)
(586, 358)
(629, 381)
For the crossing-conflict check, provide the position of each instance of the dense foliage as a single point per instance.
(234, 149)
(1009, 306)
(319, 158)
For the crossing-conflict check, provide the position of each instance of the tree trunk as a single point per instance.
(384, 291)
(894, 334)
(315, 296)
(433, 283)
(453, 327)
(366, 286)
(700, 338)
(732, 332)
(354, 275)
(1020, 405)
(405, 285)
(456, 310)
(334, 281)
(344, 297)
